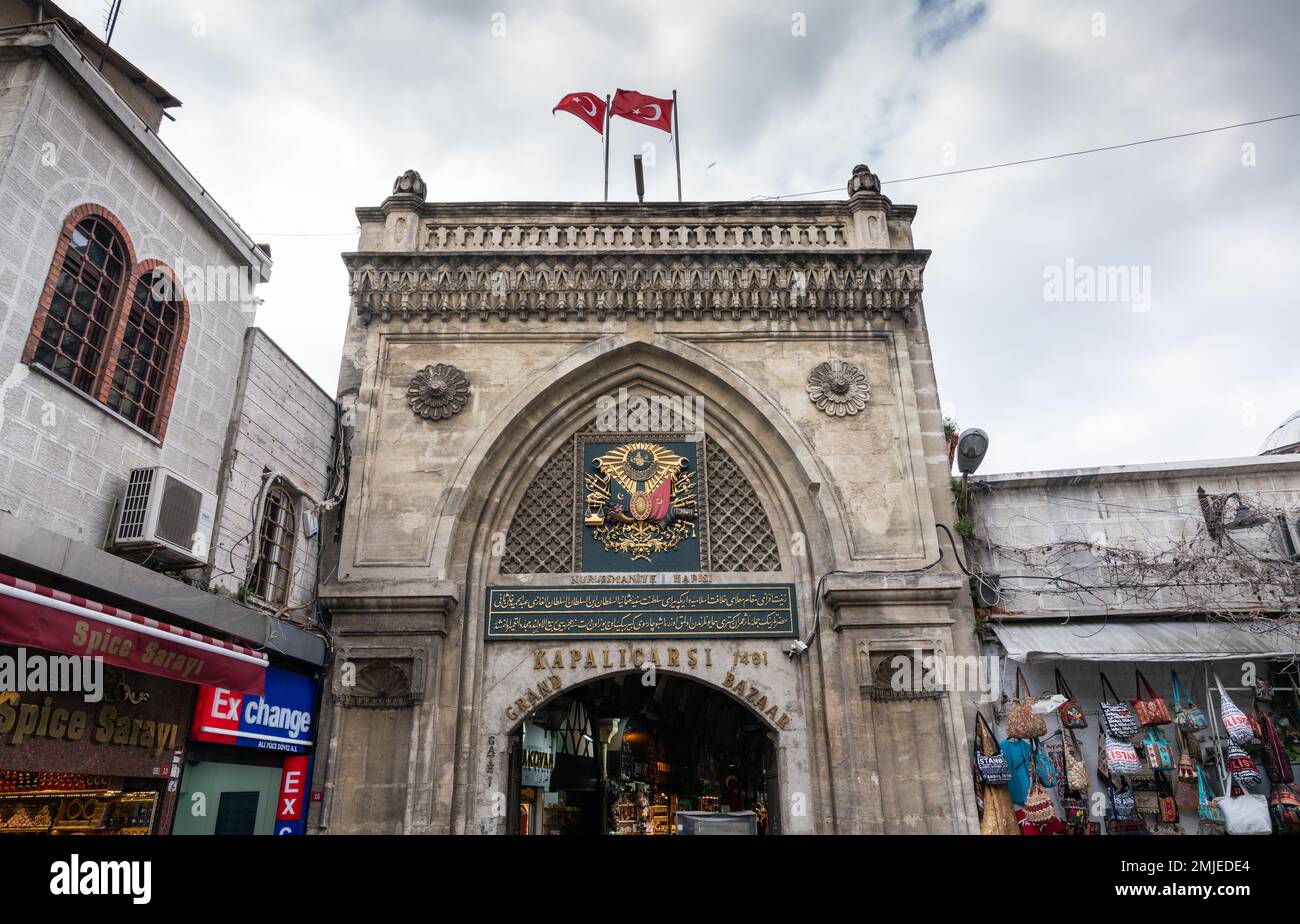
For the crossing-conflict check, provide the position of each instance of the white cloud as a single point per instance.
(295, 114)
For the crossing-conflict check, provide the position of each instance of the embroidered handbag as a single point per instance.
(993, 769)
(1123, 805)
(1235, 722)
(1071, 713)
(1208, 808)
(1022, 721)
(1242, 766)
(1038, 804)
(1075, 811)
(1168, 805)
(1159, 755)
(1186, 765)
(1284, 805)
(1042, 764)
(1076, 773)
(1120, 721)
(1275, 756)
(1245, 814)
(1153, 710)
(1186, 713)
(1121, 756)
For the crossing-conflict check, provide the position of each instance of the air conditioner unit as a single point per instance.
(167, 515)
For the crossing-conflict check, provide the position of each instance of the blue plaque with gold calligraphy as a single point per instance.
(641, 610)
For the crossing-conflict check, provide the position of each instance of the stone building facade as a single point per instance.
(489, 346)
(132, 378)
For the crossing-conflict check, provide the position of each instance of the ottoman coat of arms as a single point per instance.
(640, 499)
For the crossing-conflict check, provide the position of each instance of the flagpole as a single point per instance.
(677, 150)
(606, 147)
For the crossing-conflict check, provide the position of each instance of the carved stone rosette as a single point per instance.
(438, 391)
(839, 388)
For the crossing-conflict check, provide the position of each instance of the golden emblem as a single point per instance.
(640, 499)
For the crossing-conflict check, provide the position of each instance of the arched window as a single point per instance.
(144, 360)
(112, 328)
(78, 321)
(273, 572)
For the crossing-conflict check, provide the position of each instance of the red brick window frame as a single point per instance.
(91, 314)
(148, 344)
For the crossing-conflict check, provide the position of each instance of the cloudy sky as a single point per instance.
(295, 113)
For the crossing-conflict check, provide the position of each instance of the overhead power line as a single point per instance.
(722, 203)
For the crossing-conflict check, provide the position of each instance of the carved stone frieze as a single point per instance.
(419, 287)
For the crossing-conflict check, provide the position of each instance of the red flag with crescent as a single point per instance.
(648, 110)
(660, 500)
(587, 106)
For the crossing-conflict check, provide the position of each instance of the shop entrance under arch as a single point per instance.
(626, 753)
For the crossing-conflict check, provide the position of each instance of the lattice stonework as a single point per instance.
(541, 536)
(741, 537)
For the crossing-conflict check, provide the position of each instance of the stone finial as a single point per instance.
(863, 181)
(410, 183)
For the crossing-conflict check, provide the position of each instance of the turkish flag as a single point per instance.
(648, 110)
(587, 106)
(661, 500)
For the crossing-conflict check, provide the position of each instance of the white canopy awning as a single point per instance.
(1140, 640)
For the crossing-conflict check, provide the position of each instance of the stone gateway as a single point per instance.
(647, 495)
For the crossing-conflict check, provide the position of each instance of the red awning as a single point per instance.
(56, 621)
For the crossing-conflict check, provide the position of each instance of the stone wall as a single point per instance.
(282, 422)
(547, 307)
(1070, 523)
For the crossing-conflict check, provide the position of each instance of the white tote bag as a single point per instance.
(1246, 814)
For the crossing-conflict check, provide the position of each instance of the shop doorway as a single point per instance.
(619, 756)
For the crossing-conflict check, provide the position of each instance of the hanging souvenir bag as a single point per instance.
(1242, 766)
(1038, 805)
(1075, 810)
(1071, 713)
(993, 769)
(1022, 721)
(1275, 756)
(1185, 789)
(1186, 713)
(1076, 773)
(1159, 755)
(1123, 805)
(1121, 756)
(1042, 764)
(1284, 806)
(1245, 814)
(1151, 710)
(1263, 691)
(1120, 721)
(1168, 805)
(1235, 722)
(1209, 808)
(1187, 763)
